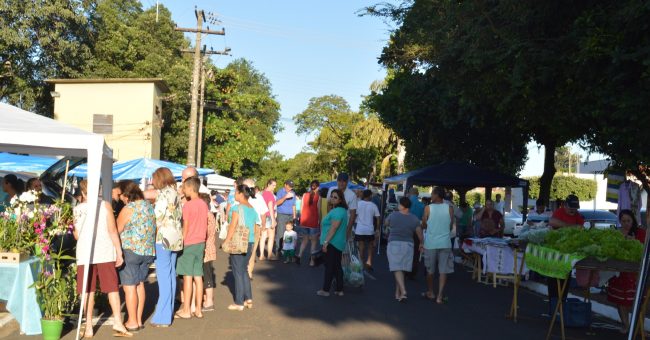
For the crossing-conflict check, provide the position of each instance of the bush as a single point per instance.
(563, 186)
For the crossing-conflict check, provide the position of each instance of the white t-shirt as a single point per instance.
(366, 213)
(500, 206)
(259, 205)
(103, 250)
(289, 239)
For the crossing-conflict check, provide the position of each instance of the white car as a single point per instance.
(511, 220)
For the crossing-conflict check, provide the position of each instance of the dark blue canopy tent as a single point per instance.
(456, 175)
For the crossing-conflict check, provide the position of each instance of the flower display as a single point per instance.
(29, 227)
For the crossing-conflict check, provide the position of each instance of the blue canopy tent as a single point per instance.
(21, 163)
(136, 169)
(351, 185)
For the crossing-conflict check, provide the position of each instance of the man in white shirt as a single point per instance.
(538, 215)
(366, 230)
(350, 198)
(499, 205)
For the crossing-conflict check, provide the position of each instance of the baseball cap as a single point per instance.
(289, 183)
(572, 201)
(343, 177)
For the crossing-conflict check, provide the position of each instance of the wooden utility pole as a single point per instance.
(196, 75)
(205, 53)
(199, 148)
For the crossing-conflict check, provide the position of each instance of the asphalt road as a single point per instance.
(286, 307)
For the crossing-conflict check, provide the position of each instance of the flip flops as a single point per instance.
(178, 316)
(425, 295)
(122, 333)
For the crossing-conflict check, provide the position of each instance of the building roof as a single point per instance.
(162, 85)
(590, 167)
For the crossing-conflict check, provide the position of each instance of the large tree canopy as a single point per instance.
(120, 39)
(241, 120)
(345, 140)
(521, 63)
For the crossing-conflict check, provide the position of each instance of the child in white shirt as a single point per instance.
(289, 243)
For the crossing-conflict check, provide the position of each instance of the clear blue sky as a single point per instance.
(305, 48)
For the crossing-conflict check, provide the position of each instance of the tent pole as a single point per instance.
(65, 179)
(642, 281)
(525, 203)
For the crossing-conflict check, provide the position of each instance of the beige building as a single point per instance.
(127, 111)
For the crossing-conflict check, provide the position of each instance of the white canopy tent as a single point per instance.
(219, 182)
(25, 132)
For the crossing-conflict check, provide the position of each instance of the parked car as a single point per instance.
(600, 219)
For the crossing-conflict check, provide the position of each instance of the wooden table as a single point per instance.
(594, 264)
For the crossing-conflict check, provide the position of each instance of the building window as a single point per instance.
(103, 124)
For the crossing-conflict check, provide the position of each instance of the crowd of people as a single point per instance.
(175, 225)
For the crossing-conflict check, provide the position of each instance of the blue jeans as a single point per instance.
(166, 277)
(239, 265)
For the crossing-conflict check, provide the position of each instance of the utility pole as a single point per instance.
(199, 149)
(196, 74)
(202, 97)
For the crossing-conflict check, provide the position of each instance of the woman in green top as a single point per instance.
(333, 230)
(239, 262)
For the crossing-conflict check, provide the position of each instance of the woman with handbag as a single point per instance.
(169, 240)
(239, 244)
(334, 229)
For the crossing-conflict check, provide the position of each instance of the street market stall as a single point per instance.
(561, 251)
(28, 133)
(461, 176)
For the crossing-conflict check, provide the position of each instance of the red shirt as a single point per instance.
(309, 212)
(268, 197)
(562, 215)
(195, 212)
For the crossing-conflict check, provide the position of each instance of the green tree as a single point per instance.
(565, 160)
(346, 140)
(241, 120)
(302, 169)
(615, 40)
(507, 61)
(38, 40)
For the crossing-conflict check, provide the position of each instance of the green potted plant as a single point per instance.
(55, 283)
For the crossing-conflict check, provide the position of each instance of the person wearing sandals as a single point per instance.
(169, 241)
(107, 256)
(190, 262)
(403, 225)
(209, 258)
(438, 222)
(137, 227)
(239, 262)
(333, 239)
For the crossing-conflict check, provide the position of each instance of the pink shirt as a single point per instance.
(269, 197)
(195, 212)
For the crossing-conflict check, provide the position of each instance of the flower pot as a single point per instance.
(51, 329)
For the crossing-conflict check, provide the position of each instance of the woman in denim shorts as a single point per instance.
(137, 227)
(309, 230)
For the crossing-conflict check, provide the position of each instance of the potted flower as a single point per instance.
(55, 283)
(17, 226)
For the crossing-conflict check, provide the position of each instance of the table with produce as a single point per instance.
(555, 253)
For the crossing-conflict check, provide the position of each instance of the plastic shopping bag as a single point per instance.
(223, 230)
(352, 266)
